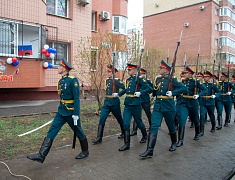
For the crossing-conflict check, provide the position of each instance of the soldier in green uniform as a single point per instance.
(133, 104)
(225, 100)
(216, 99)
(68, 112)
(111, 104)
(145, 102)
(207, 102)
(164, 107)
(189, 104)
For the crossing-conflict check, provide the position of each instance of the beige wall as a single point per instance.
(166, 5)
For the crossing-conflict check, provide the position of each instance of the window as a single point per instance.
(58, 7)
(20, 39)
(120, 64)
(119, 24)
(216, 26)
(216, 11)
(216, 42)
(94, 58)
(93, 21)
(62, 50)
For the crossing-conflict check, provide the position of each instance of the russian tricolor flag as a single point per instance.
(25, 50)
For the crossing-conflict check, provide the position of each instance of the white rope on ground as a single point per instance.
(36, 128)
(14, 174)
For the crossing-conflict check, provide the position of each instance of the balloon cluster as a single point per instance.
(14, 61)
(48, 52)
(47, 65)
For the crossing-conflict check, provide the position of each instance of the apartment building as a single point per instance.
(27, 26)
(207, 25)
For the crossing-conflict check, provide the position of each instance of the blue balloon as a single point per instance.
(54, 50)
(50, 50)
(15, 63)
(50, 65)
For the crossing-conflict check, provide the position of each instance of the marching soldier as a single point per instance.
(133, 105)
(68, 112)
(207, 102)
(164, 107)
(189, 104)
(111, 104)
(225, 100)
(145, 102)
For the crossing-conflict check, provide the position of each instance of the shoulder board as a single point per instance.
(220, 81)
(116, 78)
(107, 78)
(183, 79)
(71, 77)
(175, 77)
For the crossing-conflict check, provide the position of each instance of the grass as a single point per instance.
(12, 145)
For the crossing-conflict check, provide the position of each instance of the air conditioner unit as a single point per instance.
(104, 15)
(83, 2)
(186, 24)
(202, 7)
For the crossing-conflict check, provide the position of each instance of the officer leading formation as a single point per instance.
(189, 97)
(68, 112)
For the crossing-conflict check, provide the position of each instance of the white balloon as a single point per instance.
(46, 46)
(52, 56)
(45, 64)
(9, 60)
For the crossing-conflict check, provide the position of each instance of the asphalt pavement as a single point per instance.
(210, 158)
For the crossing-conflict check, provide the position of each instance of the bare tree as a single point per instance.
(93, 55)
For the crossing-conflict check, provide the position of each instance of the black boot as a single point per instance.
(173, 141)
(213, 126)
(144, 136)
(44, 150)
(197, 131)
(180, 136)
(192, 124)
(219, 123)
(226, 121)
(84, 147)
(202, 127)
(99, 134)
(126, 141)
(134, 132)
(150, 146)
(121, 136)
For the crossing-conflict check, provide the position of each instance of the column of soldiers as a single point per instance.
(190, 96)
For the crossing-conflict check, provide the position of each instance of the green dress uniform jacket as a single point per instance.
(205, 99)
(132, 103)
(225, 101)
(164, 106)
(189, 106)
(68, 89)
(112, 104)
(145, 97)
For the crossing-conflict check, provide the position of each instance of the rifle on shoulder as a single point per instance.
(137, 88)
(198, 56)
(113, 70)
(173, 63)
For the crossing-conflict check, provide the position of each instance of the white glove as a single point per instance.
(137, 94)
(75, 119)
(213, 96)
(229, 93)
(195, 96)
(169, 93)
(115, 94)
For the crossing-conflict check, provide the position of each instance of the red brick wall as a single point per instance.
(162, 30)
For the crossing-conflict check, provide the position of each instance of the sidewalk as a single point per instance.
(210, 158)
